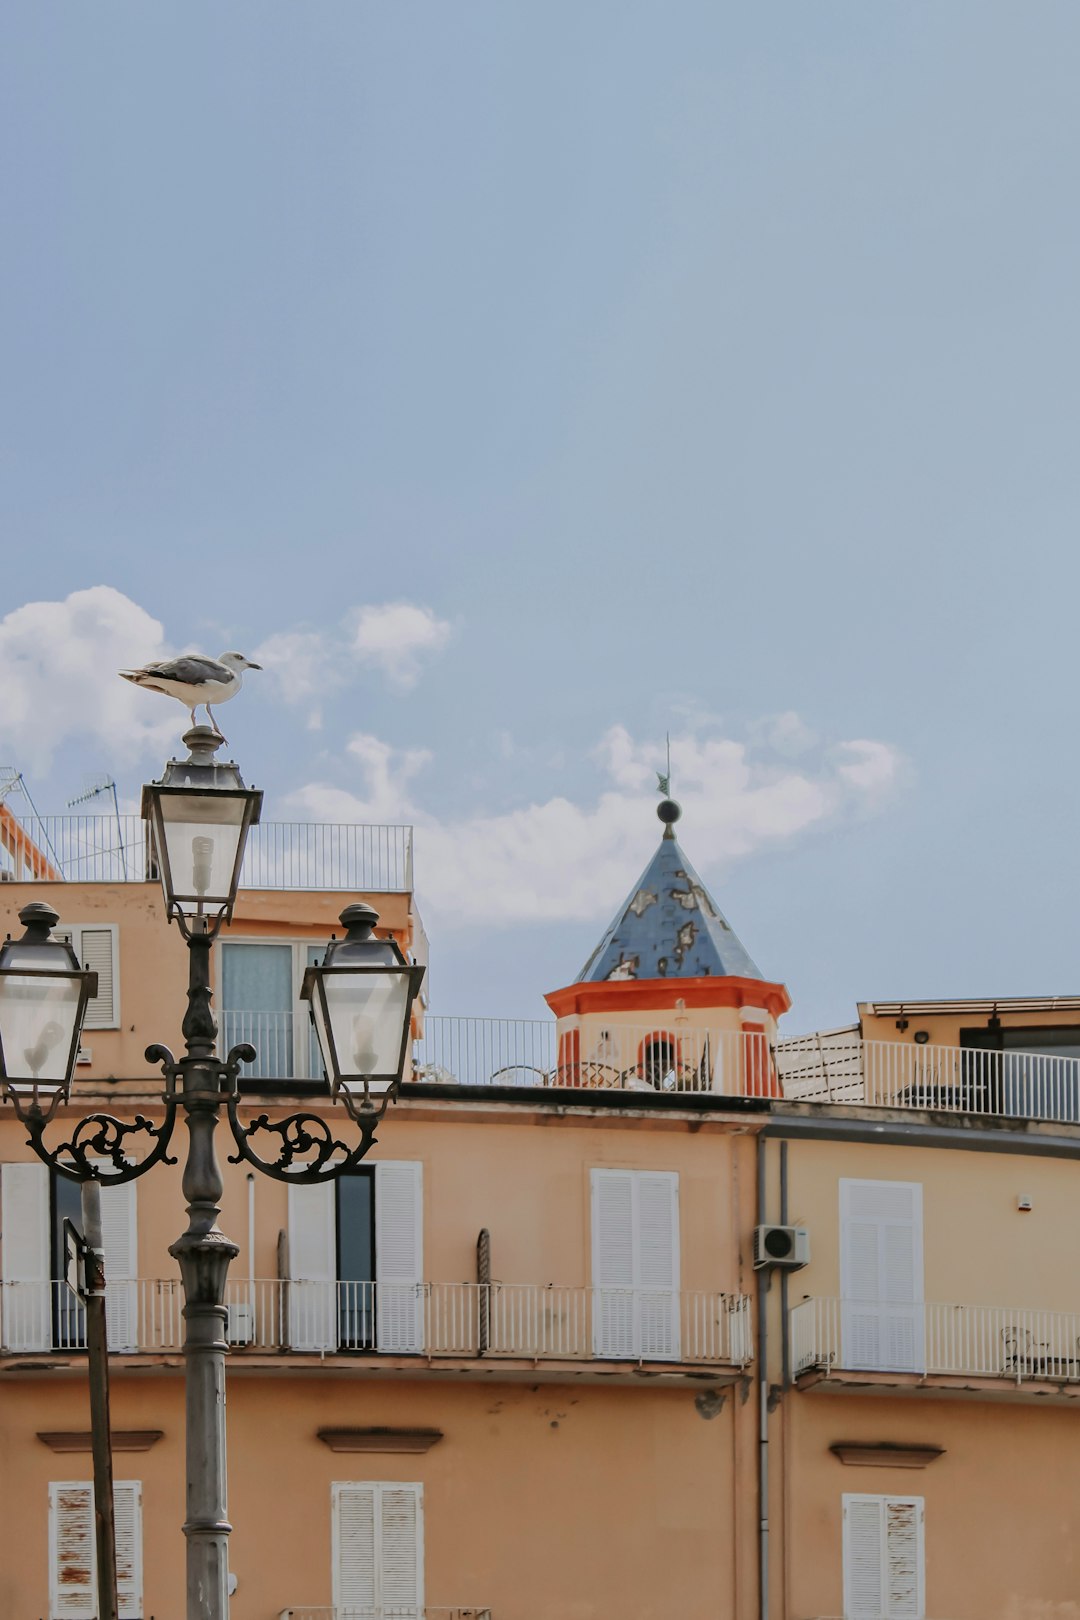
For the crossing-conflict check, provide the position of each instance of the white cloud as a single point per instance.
(60, 682)
(307, 665)
(396, 637)
(560, 859)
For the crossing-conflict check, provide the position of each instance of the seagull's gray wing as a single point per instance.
(192, 669)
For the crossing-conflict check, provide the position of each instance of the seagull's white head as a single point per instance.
(237, 660)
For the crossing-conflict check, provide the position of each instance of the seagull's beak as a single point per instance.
(252, 666)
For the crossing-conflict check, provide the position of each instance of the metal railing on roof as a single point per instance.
(374, 858)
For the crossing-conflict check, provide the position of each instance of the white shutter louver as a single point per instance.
(399, 1551)
(27, 1292)
(313, 1316)
(399, 1256)
(881, 1272)
(120, 1240)
(635, 1263)
(96, 949)
(883, 1558)
(613, 1262)
(657, 1234)
(73, 1553)
(377, 1550)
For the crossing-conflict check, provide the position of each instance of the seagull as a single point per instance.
(193, 679)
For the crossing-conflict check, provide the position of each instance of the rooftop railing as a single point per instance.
(280, 854)
(975, 1341)
(663, 1056)
(670, 1056)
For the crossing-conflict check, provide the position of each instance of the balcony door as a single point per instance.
(881, 1276)
(635, 1264)
(356, 1262)
(378, 1550)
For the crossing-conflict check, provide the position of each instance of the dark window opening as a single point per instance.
(356, 1260)
(68, 1315)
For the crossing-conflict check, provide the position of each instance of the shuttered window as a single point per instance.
(97, 946)
(884, 1560)
(881, 1275)
(324, 1314)
(26, 1316)
(378, 1553)
(73, 1554)
(399, 1256)
(635, 1263)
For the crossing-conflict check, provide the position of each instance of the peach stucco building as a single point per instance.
(639, 1311)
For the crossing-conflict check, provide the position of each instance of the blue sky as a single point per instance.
(697, 367)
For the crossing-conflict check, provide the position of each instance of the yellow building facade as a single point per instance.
(642, 1309)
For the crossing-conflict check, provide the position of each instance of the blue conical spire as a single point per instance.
(669, 926)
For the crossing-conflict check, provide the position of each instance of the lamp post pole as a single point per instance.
(203, 1254)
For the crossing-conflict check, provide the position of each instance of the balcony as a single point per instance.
(491, 1322)
(369, 859)
(354, 1611)
(980, 1350)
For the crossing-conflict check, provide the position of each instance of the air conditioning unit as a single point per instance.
(785, 1247)
(241, 1324)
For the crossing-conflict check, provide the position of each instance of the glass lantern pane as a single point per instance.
(37, 1024)
(202, 833)
(367, 1016)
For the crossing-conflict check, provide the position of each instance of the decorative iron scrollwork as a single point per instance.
(308, 1150)
(99, 1140)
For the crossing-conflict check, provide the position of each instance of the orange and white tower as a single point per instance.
(670, 999)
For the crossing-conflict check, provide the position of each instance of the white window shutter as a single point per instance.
(97, 949)
(400, 1551)
(27, 1292)
(378, 1550)
(613, 1262)
(313, 1314)
(864, 1593)
(904, 1558)
(657, 1243)
(354, 1550)
(120, 1240)
(884, 1565)
(73, 1550)
(881, 1274)
(399, 1256)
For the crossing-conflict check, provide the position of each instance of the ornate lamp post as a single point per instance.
(361, 1004)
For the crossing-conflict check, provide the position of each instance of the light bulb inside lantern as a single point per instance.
(202, 856)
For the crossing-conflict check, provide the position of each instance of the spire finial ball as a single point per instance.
(668, 811)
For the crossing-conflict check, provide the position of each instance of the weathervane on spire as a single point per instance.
(668, 811)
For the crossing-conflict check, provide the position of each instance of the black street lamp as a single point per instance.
(362, 996)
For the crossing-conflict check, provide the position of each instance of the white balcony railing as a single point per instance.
(527, 1321)
(354, 1611)
(661, 1056)
(949, 1079)
(975, 1341)
(280, 854)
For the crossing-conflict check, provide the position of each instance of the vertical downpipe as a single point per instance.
(785, 1381)
(785, 1336)
(763, 1402)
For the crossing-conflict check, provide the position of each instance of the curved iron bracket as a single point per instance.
(101, 1137)
(308, 1151)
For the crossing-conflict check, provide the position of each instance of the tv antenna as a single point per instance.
(96, 787)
